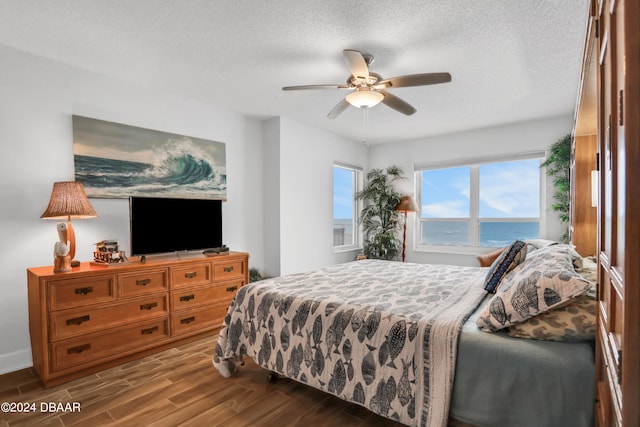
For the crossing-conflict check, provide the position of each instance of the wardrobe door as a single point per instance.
(618, 342)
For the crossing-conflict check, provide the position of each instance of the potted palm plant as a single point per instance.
(379, 219)
(558, 166)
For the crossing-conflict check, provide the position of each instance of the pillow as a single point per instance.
(533, 244)
(506, 261)
(559, 248)
(570, 323)
(535, 286)
(486, 260)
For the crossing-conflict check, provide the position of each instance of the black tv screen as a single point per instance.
(162, 225)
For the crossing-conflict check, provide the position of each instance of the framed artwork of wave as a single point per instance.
(114, 161)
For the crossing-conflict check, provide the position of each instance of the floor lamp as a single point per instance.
(407, 204)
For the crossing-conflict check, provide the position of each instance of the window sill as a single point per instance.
(342, 249)
(464, 250)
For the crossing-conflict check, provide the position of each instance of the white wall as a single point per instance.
(307, 156)
(495, 141)
(271, 197)
(37, 99)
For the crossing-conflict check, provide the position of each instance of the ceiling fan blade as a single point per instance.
(397, 103)
(356, 62)
(305, 87)
(342, 105)
(415, 80)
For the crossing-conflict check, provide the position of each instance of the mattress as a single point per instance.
(502, 381)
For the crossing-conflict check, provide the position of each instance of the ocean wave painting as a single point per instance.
(117, 161)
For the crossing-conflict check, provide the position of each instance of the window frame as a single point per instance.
(474, 219)
(357, 185)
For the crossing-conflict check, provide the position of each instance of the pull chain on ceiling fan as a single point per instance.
(367, 88)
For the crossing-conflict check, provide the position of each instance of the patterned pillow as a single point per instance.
(563, 248)
(507, 261)
(533, 244)
(535, 286)
(570, 323)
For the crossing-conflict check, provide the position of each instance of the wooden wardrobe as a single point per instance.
(610, 105)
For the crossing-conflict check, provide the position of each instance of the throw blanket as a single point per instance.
(382, 334)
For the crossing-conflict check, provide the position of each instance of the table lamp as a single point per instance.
(68, 200)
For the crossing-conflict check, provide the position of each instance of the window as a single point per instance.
(480, 203)
(347, 180)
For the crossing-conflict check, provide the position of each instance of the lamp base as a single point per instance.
(61, 263)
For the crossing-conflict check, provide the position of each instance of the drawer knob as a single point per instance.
(84, 291)
(79, 349)
(143, 282)
(228, 269)
(187, 298)
(149, 331)
(78, 320)
(148, 306)
(187, 320)
(232, 288)
(190, 274)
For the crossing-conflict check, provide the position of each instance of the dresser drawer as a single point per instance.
(209, 294)
(233, 268)
(73, 352)
(69, 293)
(208, 317)
(71, 323)
(143, 283)
(196, 274)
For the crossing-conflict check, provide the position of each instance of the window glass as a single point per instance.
(481, 204)
(510, 189)
(345, 184)
(445, 193)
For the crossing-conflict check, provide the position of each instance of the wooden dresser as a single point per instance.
(95, 317)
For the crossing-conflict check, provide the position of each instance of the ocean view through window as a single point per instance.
(481, 203)
(347, 180)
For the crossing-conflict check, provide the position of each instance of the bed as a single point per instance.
(418, 343)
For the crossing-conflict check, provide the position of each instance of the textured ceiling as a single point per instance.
(509, 60)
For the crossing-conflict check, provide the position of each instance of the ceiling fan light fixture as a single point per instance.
(364, 98)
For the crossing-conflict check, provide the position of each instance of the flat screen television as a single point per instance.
(163, 225)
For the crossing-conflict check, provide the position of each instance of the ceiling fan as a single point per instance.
(367, 88)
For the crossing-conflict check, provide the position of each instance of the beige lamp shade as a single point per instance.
(68, 201)
(407, 204)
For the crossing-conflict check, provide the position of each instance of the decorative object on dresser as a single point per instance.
(68, 200)
(93, 318)
(107, 253)
(407, 204)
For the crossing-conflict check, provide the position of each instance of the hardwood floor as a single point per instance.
(178, 387)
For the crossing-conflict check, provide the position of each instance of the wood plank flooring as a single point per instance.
(179, 387)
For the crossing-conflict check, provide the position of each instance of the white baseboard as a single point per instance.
(15, 361)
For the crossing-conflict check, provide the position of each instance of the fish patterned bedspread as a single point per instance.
(382, 334)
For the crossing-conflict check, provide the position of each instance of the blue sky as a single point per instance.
(507, 190)
(342, 193)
